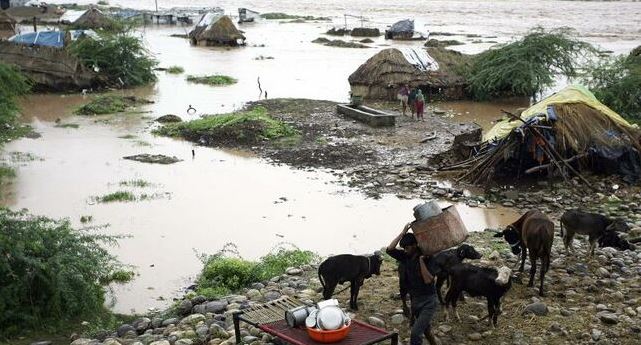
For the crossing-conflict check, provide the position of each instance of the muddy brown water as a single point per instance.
(225, 196)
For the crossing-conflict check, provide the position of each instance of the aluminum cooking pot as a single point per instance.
(296, 316)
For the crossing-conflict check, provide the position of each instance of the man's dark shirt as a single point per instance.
(416, 286)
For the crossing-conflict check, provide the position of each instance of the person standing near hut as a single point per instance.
(420, 105)
(403, 96)
(412, 101)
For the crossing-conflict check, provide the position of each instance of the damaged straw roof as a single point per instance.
(564, 134)
(7, 24)
(216, 29)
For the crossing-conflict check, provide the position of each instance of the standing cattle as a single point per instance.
(533, 232)
(445, 260)
(346, 267)
(592, 224)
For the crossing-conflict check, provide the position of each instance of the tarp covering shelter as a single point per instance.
(91, 18)
(215, 29)
(55, 39)
(403, 29)
(434, 70)
(246, 15)
(7, 25)
(563, 134)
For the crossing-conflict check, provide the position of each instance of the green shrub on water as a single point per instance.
(616, 82)
(175, 70)
(135, 183)
(117, 196)
(527, 66)
(280, 15)
(119, 57)
(222, 274)
(110, 104)
(245, 127)
(214, 80)
(51, 273)
(12, 85)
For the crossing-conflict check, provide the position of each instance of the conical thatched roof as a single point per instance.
(215, 29)
(390, 68)
(7, 23)
(93, 18)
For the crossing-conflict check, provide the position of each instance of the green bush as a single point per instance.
(12, 84)
(616, 82)
(527, 66)
(51, 273)
(214, 80)
(175, 70)
(119, 57)
(222, 275)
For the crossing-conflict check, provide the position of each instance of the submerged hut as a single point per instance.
(214, 29)
(434, 70)
(91, 18)
(402, 30)
(562, 135)
(7, 25)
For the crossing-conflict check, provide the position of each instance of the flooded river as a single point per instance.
(216, 197)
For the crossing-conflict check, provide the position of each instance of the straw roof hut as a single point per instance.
(7, 25)
(92, 18)
(434, 70)
(563, 134)
(214, 29)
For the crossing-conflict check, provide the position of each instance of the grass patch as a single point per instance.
(67, 125)
(280, 15)
(128, 136)
(222, 275)
(119, 196)
(175, 70)
(214, 80)
(109, 104)
(245, 127)
(86, 219)
(135, 183)
(6, 173)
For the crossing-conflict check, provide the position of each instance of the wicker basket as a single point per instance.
(440, 232)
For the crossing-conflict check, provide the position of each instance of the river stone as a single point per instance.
(170, 321)
(376, 322)
(218, 331)
(538, 309)
(156, 322)
(192, 319)
(202, 331)
(161, 342)
(46, 342)
(445, 328)
(608, 318)
(398, 319)
(253, 294)
(184, 308)
(249, 339)
(602, 272)
(141, 324)
(111, 341)
(271, 295)
(294, 271)
(475, 336)
(596, 334)
(216, 307)
(198, 300)
(123, 329)
(82, 341)
(199, 309)
(184, 342)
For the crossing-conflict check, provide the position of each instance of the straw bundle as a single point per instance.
(7, 23)
(222, 31)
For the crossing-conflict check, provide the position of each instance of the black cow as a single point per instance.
(488, 282)
(592, 224)
(346, 267)
(445, 260)
(612, 239)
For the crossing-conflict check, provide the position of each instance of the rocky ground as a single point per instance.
(588, 301)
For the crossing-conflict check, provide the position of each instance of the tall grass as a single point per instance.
(51, 273)
(12, 85)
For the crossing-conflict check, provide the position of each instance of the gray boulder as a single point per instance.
(216, 307)
(123, 329)
(538, 309)
(184, 308)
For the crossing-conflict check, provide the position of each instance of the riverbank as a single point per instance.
(587, 302)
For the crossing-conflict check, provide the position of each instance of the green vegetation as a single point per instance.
(135, 183)
(127, 136)
(86, 219)
(527, 66)
(221, 274)
(6, 173)
(175, 70)
(119, 57)
(214, 80)
(245, 127)
(616, 82)
(279, 15)
(103, 3)
(117, 197)
(67, 125)
(52, 274)
(109, 104)
(12, 85)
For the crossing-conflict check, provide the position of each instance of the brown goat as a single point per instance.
(533, 232)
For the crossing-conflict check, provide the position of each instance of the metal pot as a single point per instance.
(296, 316)
(426, 210)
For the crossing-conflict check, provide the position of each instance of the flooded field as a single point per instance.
(216, 197)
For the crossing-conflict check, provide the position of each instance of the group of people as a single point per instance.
(413, 98)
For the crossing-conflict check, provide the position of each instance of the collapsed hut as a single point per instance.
(436, 71)
(563, 135)
(7, 25)
(91, 18)
(214, 29)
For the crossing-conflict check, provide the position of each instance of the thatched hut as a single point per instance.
(214, 29)
(7, 25)
(434, 70)
(91, 18)
(563, 134)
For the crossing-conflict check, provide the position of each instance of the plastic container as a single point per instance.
(330, 318)
(427, 210)
(328, 337)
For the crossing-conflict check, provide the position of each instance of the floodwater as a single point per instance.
(220, 196)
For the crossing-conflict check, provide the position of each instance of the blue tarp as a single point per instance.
(43, 38)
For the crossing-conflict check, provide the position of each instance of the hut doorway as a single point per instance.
(4, 4)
